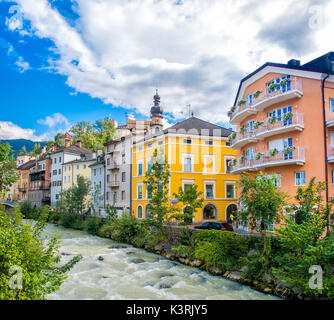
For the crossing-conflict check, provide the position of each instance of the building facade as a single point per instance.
(98, 173)
(40, 181)
(60, 155)
(198, 154)
(21, 187)
(284, 114)
(118, 174)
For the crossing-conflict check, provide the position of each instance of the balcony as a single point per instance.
(268, 129)
(23, 188)
(113, 166)
(267, 160)
(330, 154)
(39, 185)
(113, 184)
(294, 89)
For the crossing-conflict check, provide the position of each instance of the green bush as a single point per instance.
(93, 225)
(28, 211)
(72, 220)
(54, 217)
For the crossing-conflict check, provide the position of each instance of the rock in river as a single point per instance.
(137, 260)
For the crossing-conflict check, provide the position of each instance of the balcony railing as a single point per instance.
(39, 185)
(23, 188)
(113, 184)
(296, 156)
(267, 129)
(293, 89)
(113, 166)
(330, 154)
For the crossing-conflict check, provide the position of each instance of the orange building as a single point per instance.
(284, 114)
(21, 187)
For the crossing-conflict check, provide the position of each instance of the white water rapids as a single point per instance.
(120, 276)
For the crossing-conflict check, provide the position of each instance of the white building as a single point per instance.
(60, 155)
(98, 185)
(118, 174)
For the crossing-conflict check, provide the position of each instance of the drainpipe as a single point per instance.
(325, 134)
(325, 143)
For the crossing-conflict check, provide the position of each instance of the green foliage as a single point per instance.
(93, 225)
(54, 217)
(21, 245)
(94, 136)
(305, 247)
(158, 179)
(36, 150)
(111, 212)
(23, 151)
(27, 209)
(220, 249)
(191, 200)
(8, 173)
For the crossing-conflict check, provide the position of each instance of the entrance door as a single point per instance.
(230, 211)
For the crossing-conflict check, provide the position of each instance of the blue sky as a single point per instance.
(67, 61)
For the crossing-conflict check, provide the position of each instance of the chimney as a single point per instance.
(78, 144)
(294, 62)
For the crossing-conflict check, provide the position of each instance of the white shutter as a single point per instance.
(278, 144)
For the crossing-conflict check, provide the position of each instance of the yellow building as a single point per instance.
(197, 154)
(73, 169)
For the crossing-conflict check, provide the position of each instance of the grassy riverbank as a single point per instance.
(226, 254)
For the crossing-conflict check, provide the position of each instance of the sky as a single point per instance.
(65, 61)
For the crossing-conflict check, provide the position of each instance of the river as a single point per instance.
(130, 273)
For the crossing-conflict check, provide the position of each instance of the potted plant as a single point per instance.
(287, 116)
(231, 111)
(273, 152)
(232, 163)
(242, 159)
(284, 82)
(289, 149)
(256, 94)
(272, 119)
(241, 102)
(257, 125)
(242, 130)
(258, 156)
(273, 86)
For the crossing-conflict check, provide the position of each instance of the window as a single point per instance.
(59, 159)
(149, 164)
(331, 104)
(140, 169)
(140, 212)
(140, 191)
(150, 146)
(249, 153)
(279, 114)
(187, 141)
(160, 143)
(108, 161)
(277, 81)
(123, 159)
(300, 179)
(94, 172)
(78, 177)
(332, 176)
(84, 166)
(187, 164)
(186, 186)
(123, 176)
(108, 178)
(114, 197)
(140, 148)
(209, 142)
(209, 212)
(249, 127)
(108, 148)
(59, 171)
(123, 195)
(230, 191)
(54, 172)
(55, 160)
(78, 166)
(107, 195)
(209, 191)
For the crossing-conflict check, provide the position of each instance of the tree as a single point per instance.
(75, 199)
(157, 179)
(25, 255)
(23, 151)
(262, 202)
(36, 150)
(97, 197)
(191, 200)
(8, 168)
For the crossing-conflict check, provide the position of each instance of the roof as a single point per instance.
(197, 126)
(79, 161)
(100, 160)
(73, 149)
(317, 65)
(28, 165)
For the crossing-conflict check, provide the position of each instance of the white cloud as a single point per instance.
(57, 119)
(23, 65)
(9, 131)
(194, 52)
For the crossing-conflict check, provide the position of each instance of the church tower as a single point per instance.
(156, 114)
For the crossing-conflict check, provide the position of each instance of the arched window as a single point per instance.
(209, 212)
(140, 212)
(149, 211)
(230, 212)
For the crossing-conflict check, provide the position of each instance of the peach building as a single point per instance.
(284, 115)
